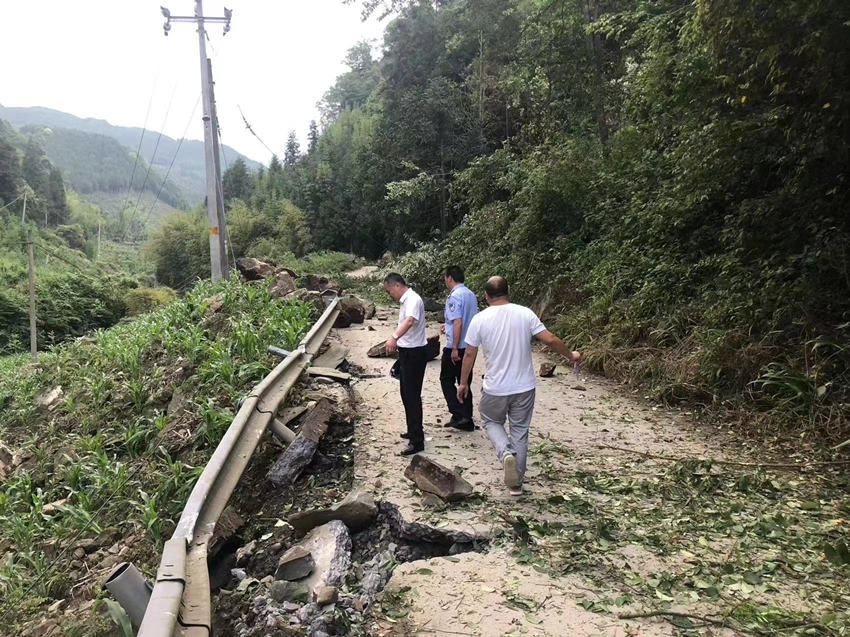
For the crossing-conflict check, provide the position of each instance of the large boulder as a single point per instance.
(295, 564)
(254, 269)
(320, 284)
(434, 478)
(330, 546)
(281, 285)
(356, 510)
(379, 350)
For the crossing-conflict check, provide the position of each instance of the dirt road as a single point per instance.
(494, 593)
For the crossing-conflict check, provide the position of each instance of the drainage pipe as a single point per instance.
(131, 590)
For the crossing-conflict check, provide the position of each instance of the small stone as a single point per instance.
(434, 478)
(79, 553)
(327, 595)
(547, 370)
(244, 553)
(432, 501)
(283, 591)
(55, 606)
(238, 573)
(53, 507)
(296, 563)
(290, 607)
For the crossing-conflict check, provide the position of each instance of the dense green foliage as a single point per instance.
(108, 450)
(94, 162)
(187, 173)
(671, 177)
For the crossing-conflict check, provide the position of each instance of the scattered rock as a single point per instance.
(579, 388)
(52, 507)
(244, 553)
(356, 309)
(431, 501)
(227, 526)
(417, 532)
(333, 357)
(434, 478)
(6, 462)
(55, 606)
(180, 402)
(88, 545)
(50, 398)
(295, 564)
(214, 304)
(342, 321)
(330, 546)
(320, 284)
(283, 591)
(309, 296)
(300, 452)
(379, 350)
(281, 285)
(387, 258)
(356, 511)
(238, 573)
(327, 595)
(328, 372)
(254, 269)
(547, 370)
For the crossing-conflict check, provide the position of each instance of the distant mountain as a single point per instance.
(93, 163)
(188, 173)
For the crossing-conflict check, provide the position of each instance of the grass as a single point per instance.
(122, 465)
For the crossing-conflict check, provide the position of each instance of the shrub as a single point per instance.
(143, 300)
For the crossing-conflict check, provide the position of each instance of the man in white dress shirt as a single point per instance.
(410, 342)
(504, 331)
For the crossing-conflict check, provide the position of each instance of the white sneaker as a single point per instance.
(512, 480)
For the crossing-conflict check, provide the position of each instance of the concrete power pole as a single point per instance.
(31, 263)
(218, 253)
(222, 221)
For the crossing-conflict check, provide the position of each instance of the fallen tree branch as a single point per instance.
(669, 613)
(770, 465)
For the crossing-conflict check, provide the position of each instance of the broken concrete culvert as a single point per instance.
(328, 579)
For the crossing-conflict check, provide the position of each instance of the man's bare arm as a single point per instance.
(557, 345)
(392, 342)
(466, 371)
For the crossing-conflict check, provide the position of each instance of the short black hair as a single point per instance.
(456, 272)
(496, 287)
(395, 277)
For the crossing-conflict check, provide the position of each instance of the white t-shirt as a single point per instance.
(504, 333)
(412, 305)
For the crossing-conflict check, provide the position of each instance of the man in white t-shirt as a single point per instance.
(504, 331)
(410, 341)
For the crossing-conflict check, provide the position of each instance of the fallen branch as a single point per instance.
(669, 613)
(770, 465)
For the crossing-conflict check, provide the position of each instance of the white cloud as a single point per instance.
(105, 58)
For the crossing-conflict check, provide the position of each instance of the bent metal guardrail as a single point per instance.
(181, 595)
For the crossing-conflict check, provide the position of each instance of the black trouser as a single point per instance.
(449, 379)
(412, 362)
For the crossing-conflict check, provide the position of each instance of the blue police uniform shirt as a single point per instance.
(461, 304)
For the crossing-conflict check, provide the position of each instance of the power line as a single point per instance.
(248, 126)
(173, 159)
(19, 197)
(139, 149)
(153, 156)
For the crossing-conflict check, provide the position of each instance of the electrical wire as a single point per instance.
(173, 159)
(153, 156)
(139, 149)
(19, 197)
(248, 126)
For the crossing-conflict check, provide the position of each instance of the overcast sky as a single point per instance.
(105, 58)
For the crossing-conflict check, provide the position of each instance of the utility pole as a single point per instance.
(219, 198)
(33, 339)
(97, 254)
(24, 211)
(218, 253)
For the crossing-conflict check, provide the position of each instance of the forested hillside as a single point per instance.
(188, 170)
(97, 163)
(668, 177)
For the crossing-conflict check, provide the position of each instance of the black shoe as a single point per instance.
(405, 436)
(409, 450)
(464, 424)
